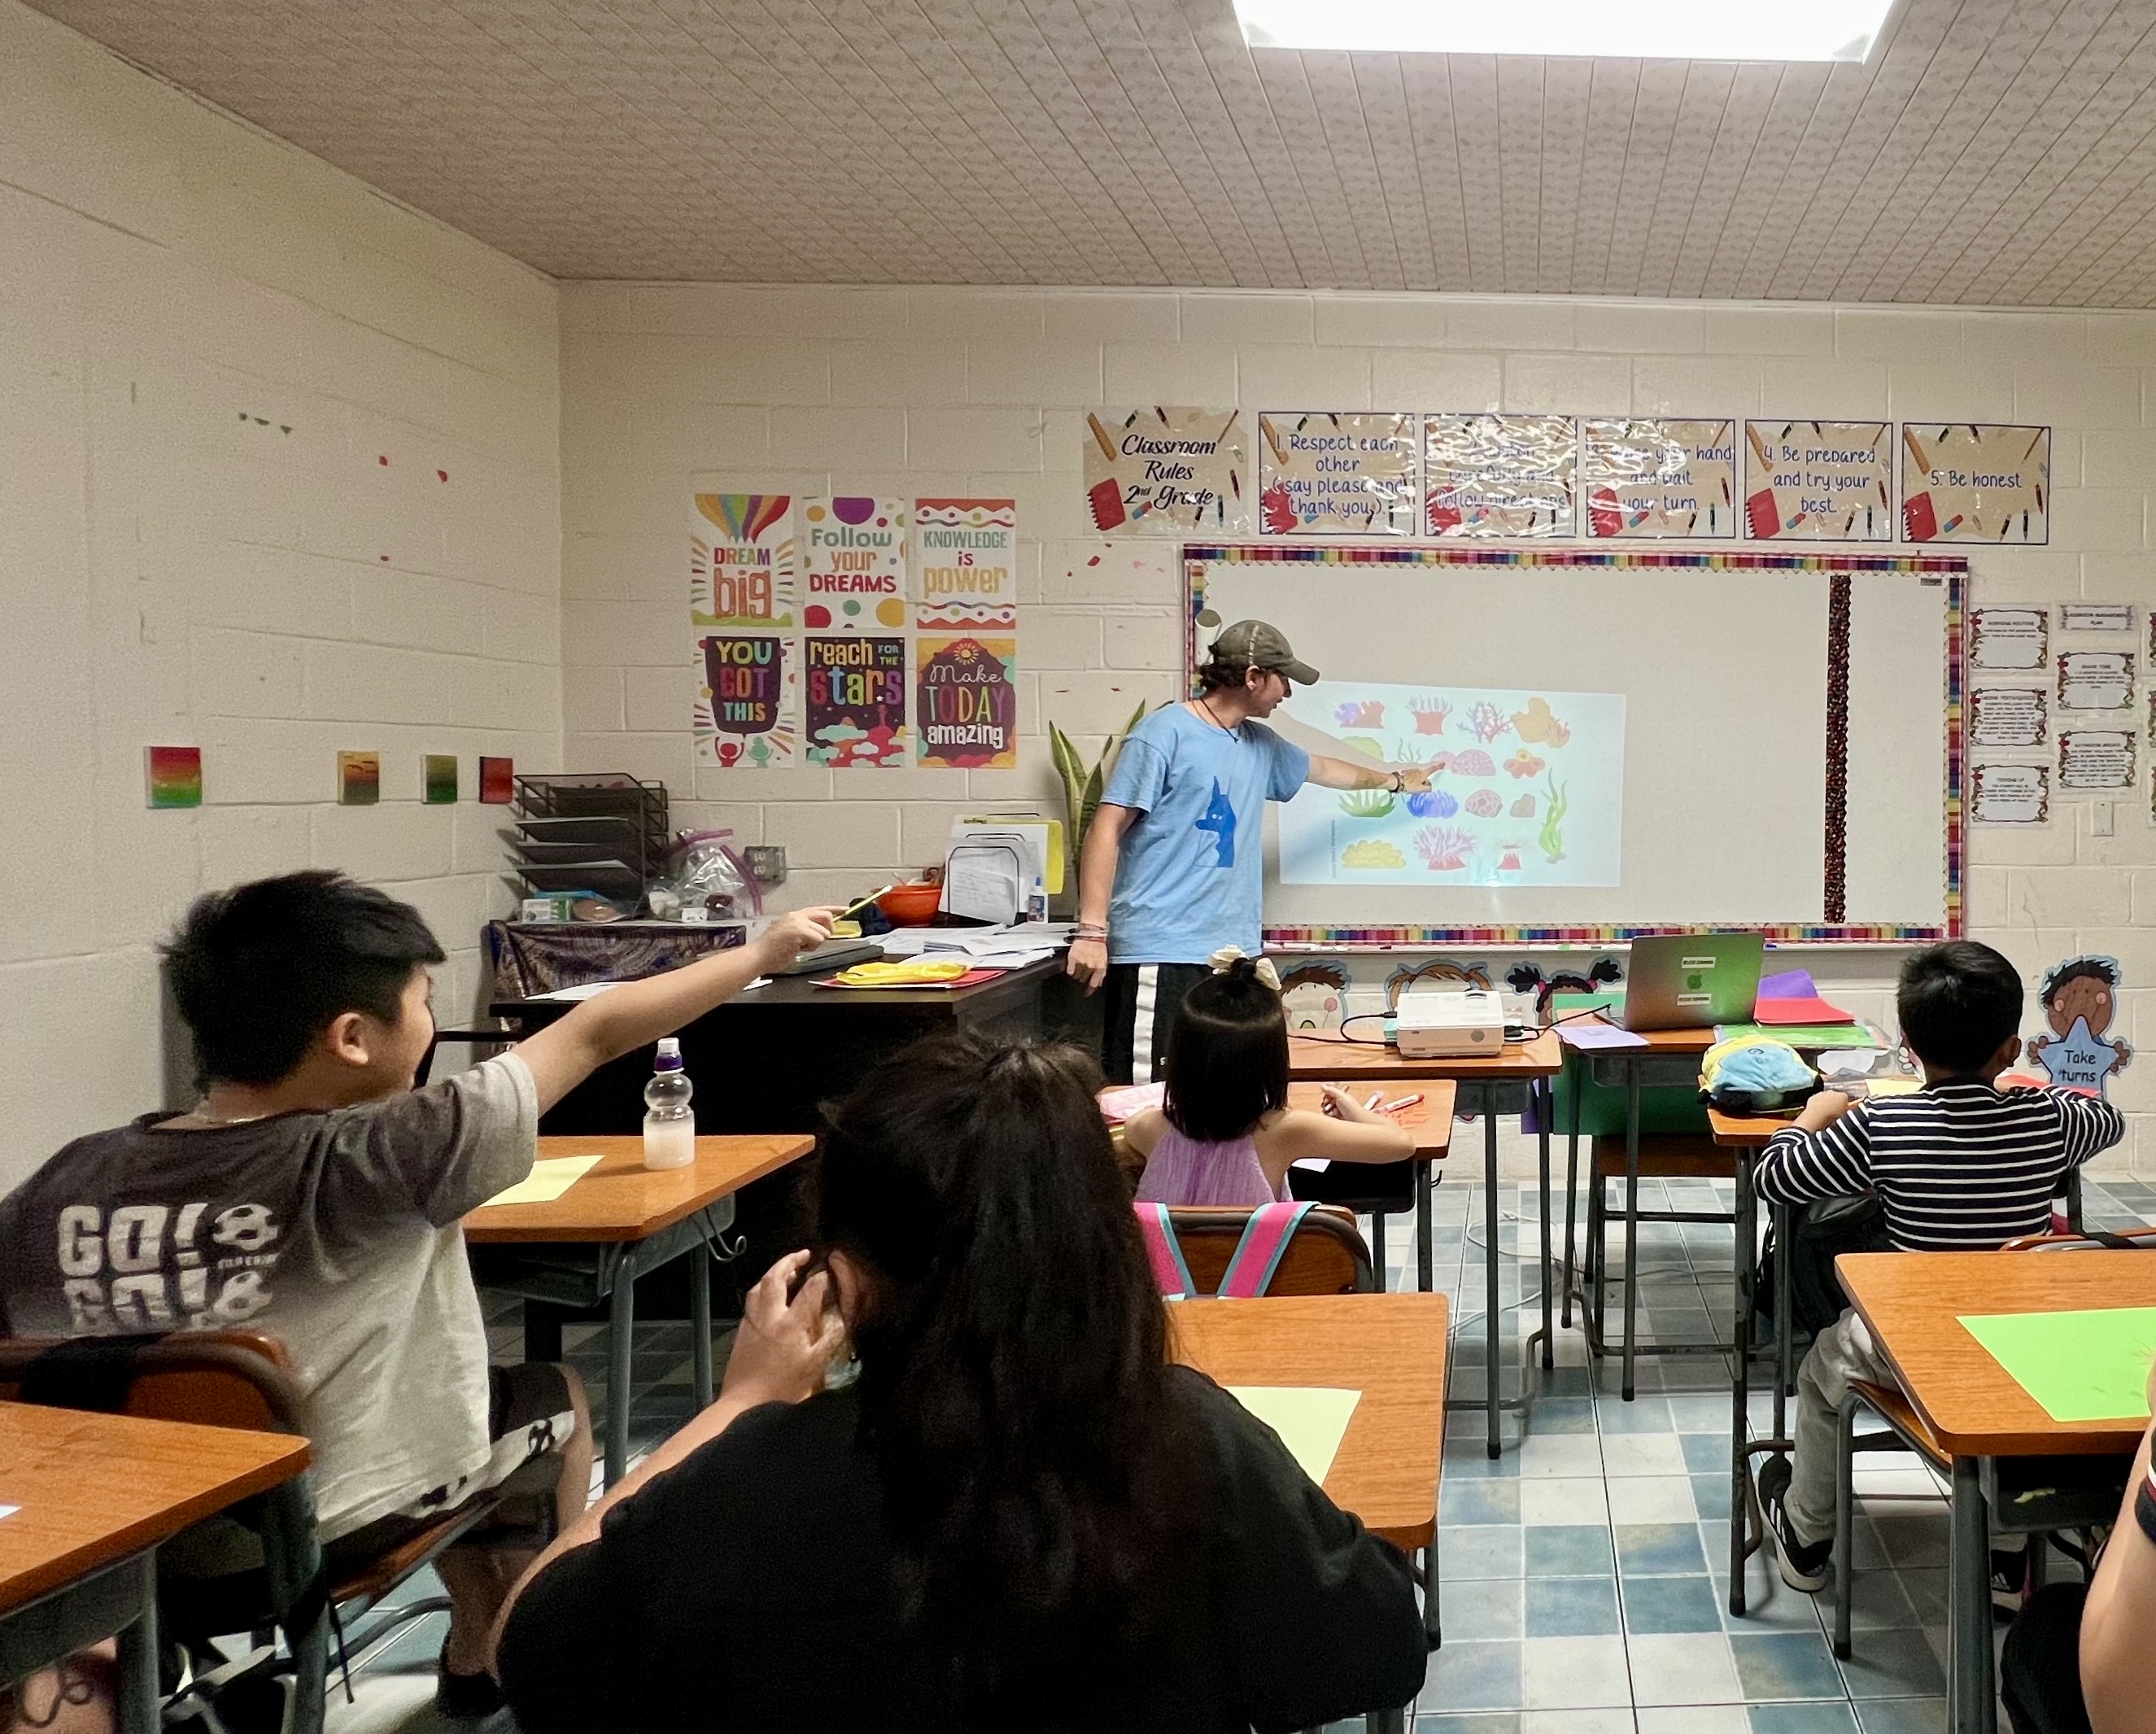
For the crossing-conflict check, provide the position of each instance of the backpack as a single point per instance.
(1250, 1270)
(1817, 1233)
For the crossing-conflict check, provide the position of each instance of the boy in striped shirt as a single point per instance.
(1960, 1165)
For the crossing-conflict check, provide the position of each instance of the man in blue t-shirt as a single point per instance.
(1171, 872)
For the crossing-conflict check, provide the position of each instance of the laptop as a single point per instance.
(1688, 981)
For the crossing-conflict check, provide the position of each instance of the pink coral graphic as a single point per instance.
(1474, 762)
(1486, 804)
(1486, 722)
(1430, 714)
(1362, 713)
(1443, 848)
(1523, 763)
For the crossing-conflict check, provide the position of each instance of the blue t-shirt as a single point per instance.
(1188, 879)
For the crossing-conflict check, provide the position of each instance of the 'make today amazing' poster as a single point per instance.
(967, 701)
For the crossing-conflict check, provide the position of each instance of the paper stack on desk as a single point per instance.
(1011, 946)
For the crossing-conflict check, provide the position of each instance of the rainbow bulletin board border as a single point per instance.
(1843, 568)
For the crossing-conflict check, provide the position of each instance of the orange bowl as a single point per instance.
(910, 905)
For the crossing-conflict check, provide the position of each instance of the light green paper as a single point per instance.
(550, 1177)
(1806, 1035)
(2090, 1365)
(1310, 1420)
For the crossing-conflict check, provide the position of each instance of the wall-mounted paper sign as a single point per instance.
(1818, 481)
(1485, 475)
(854, 699)
(1657, 478)
(2096, 617)
(1975, 481)
(746, 712)
(966, 708)
(2008, 716)
(1337, 475)
(1161, 471)
(2010, 794)
(2009, 638)
(2095, 759)
(965, 562)
(2095, 680)
(742, 570)
(853, 555)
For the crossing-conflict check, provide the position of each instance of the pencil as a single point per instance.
(1916, 451)
(1272, 438)
(1759, 450)
(1100, 437)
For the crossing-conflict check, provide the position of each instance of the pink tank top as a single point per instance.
(1181, 1171)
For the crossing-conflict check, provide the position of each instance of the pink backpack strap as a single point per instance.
(1171, 1271)
(1258, 1252)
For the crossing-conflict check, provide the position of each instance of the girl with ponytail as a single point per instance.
(1224, 1133)
(1019, 1516)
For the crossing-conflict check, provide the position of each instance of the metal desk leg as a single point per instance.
(1970, 1708)
(1783, 1372)
(139, 1710)
(1631, 1217)
(700, 1322)
(1493, 1318)
(1571, 1189)
(1740, 1377)
(620, 1364)
(1386, 1721)
(1433, 1625)
(1378, 1248)
(1545, 1106)
(1423, 1186)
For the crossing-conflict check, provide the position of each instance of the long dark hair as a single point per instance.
(1226, 1064)
(1014, 1382)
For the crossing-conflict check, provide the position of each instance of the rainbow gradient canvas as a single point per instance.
(438, 784)
(359, 778)
(174, 776)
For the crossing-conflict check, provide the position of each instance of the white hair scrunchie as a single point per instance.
(1228, 956)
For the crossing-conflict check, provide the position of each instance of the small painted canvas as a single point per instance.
(438, 781)
(175, 776)
(359, 778)
(497, 782)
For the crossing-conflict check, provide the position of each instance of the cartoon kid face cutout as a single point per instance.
(2087, 997)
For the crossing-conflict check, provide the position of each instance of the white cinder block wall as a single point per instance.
(671, 387)
(176, 291)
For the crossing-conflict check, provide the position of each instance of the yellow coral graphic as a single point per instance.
(1537, 727)
(1372, 852)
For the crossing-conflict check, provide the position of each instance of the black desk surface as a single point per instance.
(785, 994)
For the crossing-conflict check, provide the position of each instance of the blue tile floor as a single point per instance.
(1584, 1572)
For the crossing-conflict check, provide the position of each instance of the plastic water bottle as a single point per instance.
(669, 1124)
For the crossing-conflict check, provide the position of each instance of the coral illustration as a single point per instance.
(1364, 744)
(1537, 727)
(1434, 803)
(1279, 511)
(1430, 714)
(1511, 862)
(1523, 763)
(1524, 807)
(1372, 852)
(1362, 713)
(1552, 838)
(1443, 848)
(1474, 762)
(1486, 804)
(1368, 803)
(1486, 722)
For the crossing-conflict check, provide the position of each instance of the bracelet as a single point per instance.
(1399, 781)
(1089, 930)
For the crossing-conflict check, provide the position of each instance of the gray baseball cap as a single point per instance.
(1257, 644)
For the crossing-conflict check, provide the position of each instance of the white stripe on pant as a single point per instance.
(1141, 1020)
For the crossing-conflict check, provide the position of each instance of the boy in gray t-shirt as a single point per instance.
(314, 1194)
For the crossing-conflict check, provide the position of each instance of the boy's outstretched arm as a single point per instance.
(625, 1018)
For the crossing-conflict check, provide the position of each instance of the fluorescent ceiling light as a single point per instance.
(1644, 29)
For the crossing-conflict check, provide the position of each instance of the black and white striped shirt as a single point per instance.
(1960, 1167)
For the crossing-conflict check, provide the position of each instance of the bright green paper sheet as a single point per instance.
(1309, 1419)
(550, 1177)
(1816, 1036)
(2090, 1365)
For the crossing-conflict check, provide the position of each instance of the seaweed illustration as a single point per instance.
(1431, 714)
(1486, 722)
(1443, 848)
(1366, 804)
(1551, 837)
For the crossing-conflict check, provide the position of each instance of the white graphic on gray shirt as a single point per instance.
(156, 1283)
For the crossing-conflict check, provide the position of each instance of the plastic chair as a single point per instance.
(259, 1565)
(1324, 1255)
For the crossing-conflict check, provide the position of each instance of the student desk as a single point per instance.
(1501, 1083)
(98, 1493)
(763, 1060)
(1744, 1137)
(1429, 1121)
(617, 1221)
(1391, 1348)
(1913, 1304)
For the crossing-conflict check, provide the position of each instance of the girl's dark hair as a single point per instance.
(1226, 1063)
(1013, 1345)
(259, 971)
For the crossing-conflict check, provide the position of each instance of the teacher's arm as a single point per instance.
(1341, 773)
(1088, 958)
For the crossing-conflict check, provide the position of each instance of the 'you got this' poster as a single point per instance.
(744, 712)
(855, 696)
(967, 700)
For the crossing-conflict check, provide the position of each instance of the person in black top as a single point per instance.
(1020, 1515)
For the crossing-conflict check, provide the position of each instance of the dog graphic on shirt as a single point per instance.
(1219, 818)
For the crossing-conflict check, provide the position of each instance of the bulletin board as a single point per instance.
(1626, 743)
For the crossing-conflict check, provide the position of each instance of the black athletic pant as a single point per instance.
(2040, 1671)
(1139, 1002)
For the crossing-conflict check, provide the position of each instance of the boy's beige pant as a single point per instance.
(1841, 1352)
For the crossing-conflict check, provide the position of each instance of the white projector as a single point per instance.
(1449, 1026)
